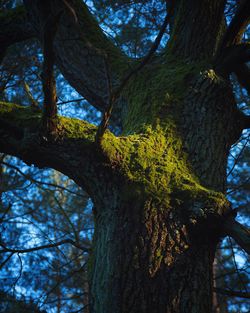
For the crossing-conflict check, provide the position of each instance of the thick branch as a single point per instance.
(81, 49)
(51, 245)
(231, 58)
(74, 153)
(238, 25)
(14, 27)
(197, 28)
(239, 233)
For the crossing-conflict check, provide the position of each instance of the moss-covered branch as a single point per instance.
(73, 153)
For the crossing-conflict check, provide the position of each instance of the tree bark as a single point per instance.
(158, 190)
(157, 232)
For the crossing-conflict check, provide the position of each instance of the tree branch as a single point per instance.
(246, 121)
(51, 245)
(81, 49)
(14, 27)
(49, 120)
(74, 150)
(187, 38)
(242, 73)
(239, 233)
(39, 182)
(32, 101)
(231, 58)
(237, 26)
(232, 293)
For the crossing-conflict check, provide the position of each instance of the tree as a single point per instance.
(159, 189)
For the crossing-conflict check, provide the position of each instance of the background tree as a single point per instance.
(159, 193)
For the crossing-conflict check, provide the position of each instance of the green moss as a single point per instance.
(155, 166)
(157, 92)
(75, 128)
(21, 116)
(30, 118)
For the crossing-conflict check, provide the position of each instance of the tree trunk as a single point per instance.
(158, 190)
(158, 222)
(145, 262)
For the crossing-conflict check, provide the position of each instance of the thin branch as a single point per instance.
(62, 280)
(5, 213)
(232, 293)
(20, 272)
(49, 83)
(52, 245)
(232, 190)
(81, 309)
(32, 101)
(236, 160)
(67, 218)
(231, 273)
(70, 101)
(236, 266)
(145, 60)
(242, 73)
(114, 95)
(35, 181)
(6, 260)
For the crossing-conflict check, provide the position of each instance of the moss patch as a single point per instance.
(156, 161)
(157, 92)
(30, 119)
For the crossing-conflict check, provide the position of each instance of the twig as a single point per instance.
(20, 272)
(52, 245)
(238, 156)
(69, 101)
(145, 60)
(236, 266)
(6, 260)
(35, 181)
(63, 279)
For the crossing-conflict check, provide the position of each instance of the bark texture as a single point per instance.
(158, 190)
